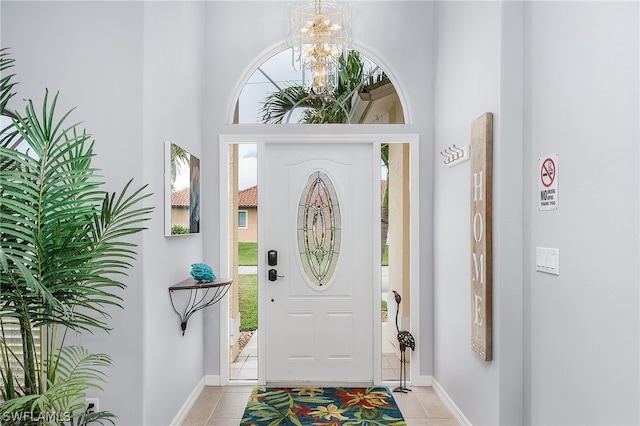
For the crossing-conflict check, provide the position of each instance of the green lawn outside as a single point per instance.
(247, 254)
(248, 298)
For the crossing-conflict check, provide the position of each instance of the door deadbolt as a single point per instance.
(272, 258)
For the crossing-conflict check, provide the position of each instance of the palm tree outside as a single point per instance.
(322, 109)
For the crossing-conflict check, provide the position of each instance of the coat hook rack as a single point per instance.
(454, 155)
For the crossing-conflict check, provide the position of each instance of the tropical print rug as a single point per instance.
(322, 407)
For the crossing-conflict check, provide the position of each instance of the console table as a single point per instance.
(201, 295)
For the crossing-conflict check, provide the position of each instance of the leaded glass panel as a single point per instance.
(319, 228)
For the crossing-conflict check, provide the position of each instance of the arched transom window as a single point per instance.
(274, 94)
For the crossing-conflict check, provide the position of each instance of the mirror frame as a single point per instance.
(194, 197)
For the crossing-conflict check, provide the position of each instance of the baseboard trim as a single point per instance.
(451, 405)
(188, 404)
(422, 381)
(211, 380)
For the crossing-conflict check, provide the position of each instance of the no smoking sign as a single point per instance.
(548, 182)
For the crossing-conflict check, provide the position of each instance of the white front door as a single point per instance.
(316, 212)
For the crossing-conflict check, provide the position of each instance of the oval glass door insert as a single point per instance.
(319, 228)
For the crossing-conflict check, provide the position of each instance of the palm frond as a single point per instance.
(179, 156)
(63, 244)
(61, 224)
(318, 109)
(278, 104)
(6, 82)
(34, 288)
(76, 371)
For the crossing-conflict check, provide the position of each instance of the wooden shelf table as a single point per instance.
(201, 295)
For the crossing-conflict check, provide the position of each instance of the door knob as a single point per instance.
(273, 275)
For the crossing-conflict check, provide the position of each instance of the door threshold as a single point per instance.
(243, 382)
(307, 384)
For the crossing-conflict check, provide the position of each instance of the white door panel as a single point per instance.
(318, 332)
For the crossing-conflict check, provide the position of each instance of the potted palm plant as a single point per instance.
(63, 244)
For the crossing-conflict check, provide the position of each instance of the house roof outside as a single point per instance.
(180, 198)
(248, 197)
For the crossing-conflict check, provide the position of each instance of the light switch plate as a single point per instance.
(548, 260)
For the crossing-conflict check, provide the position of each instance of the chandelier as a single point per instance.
(319, 35)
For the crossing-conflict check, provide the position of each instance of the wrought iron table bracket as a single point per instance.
(201, 295)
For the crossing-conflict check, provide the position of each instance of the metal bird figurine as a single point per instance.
(405, 340)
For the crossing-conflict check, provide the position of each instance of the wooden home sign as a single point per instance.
(481, 153)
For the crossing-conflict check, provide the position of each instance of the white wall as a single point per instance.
(173, 76)
(467, 85)
(582, 327)
(133, 69)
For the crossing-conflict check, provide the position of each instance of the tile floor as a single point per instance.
(223, 406)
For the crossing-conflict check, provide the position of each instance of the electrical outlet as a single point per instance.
(93, 405)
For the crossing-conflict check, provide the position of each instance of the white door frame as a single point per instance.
(375, 138)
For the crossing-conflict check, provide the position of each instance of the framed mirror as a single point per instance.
(182, 191)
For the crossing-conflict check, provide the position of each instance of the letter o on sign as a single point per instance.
(478, 227)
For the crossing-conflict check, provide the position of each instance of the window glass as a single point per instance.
(319, 228)
(274, 94)
(242, 219)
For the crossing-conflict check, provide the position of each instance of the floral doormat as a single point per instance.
(322, 407)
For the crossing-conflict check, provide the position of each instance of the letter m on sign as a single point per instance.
(481, 260)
